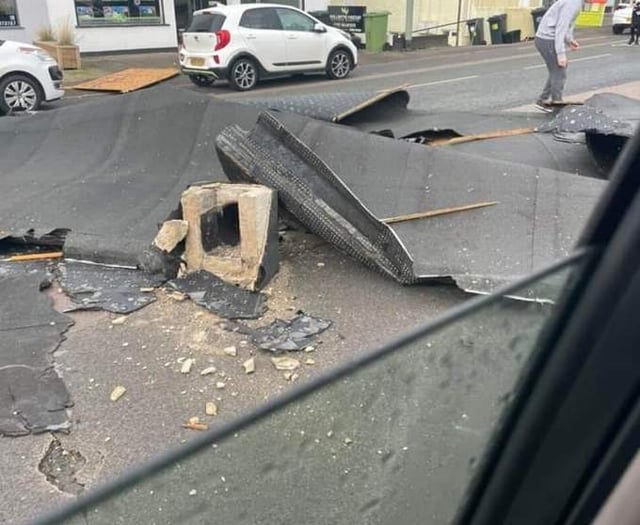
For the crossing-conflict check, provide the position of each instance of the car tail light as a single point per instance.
(222, 39)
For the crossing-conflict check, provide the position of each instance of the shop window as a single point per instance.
(118, 12)
(8, 13)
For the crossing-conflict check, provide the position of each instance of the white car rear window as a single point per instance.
(206, 23)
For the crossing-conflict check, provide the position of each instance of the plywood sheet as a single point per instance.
(129, 80)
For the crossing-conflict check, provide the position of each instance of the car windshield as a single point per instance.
(206, 23)
(396, 439)
(207, 206)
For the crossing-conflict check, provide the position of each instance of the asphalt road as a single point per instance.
(472, 79)
(444, 395)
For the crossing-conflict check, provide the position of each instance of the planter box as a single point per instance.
(68, 57)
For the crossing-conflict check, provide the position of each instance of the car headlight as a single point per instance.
(37, 53)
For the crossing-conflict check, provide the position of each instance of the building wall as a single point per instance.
(430, 13)
(31, 16)
(101, 39)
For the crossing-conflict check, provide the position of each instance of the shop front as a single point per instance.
(99, 25)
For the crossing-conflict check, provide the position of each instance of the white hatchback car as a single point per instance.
(621, 18)
(246, 43)
(28, 77)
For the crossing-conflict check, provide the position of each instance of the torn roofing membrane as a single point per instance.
(33, 397)
(336, 107)
(307, 187)
(110, 171)
(339, 182)
(389, 115)
(607, 121)
(98, 287)
(224, 299)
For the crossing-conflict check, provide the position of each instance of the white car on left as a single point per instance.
(28, 77)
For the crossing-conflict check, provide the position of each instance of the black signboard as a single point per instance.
(347, 18)
(8, 20)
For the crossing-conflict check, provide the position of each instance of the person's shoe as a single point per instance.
(630, 43)
(636, 43)
(543, 106)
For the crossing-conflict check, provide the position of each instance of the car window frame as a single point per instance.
(263, 9)
(546, 464)
(302, 15)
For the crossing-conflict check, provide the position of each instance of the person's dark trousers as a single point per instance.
(557, 75)
(635, 34)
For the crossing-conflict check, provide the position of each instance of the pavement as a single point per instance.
(461, 383)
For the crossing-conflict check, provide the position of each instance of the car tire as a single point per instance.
(20, 93)
(202, 80)
(617, 30)
(340, 64)
(243, 74)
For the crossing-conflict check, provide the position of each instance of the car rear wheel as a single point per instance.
(339, 64)
(243, 75)
(202, 80)
(19, 93)
(617, 30)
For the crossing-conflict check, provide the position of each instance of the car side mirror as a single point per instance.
(319, 28)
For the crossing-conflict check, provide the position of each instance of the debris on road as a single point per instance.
(232, 232)
(119, 320)
(219, 297)
(117, 393)
(249, 366)
(336, 107)
(231, 351)
(291, 336)
(437, 213)
(285, 363)
(195, 424)
(606, 121)
(291, 376)
(211, 409)
(172, 233)
(339, 216)
(31, 257)
(187, 365)
(309, 361)
(208, 371)
(100, 287)
(343, 203)
(220, 385)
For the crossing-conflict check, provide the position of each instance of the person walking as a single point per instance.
(553, 37)
(635, 22)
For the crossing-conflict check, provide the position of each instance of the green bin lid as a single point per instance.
(377, 14)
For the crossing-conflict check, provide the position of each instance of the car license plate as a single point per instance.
(198, 62)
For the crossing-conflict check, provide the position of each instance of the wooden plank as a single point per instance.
(437, 213)
(35, 257)
(129, 80)
(483, 136)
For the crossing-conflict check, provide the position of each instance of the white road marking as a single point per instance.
(437, 82)
(379, 76)
(583, 59)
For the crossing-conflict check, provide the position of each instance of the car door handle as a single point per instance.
(292, 37)
(251, 37)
